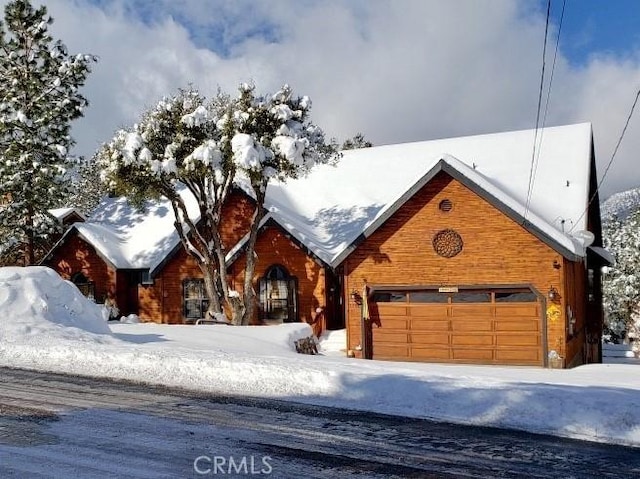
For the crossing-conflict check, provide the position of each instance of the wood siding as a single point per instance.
(77, 256)
(162, 302)
(275, 247)
(496, 251)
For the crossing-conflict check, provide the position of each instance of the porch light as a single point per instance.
(553, 294)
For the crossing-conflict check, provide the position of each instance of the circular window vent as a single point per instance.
(447, 243)
(445, 206)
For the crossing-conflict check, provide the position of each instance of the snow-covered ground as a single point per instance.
(46, 324)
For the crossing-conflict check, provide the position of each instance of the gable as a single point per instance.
(494, 248)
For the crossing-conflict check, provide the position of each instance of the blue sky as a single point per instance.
(395, 70)
(598, 26)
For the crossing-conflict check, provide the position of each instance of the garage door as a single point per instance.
(470, 326)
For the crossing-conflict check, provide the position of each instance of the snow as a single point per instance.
(368, 184)
(45, 324)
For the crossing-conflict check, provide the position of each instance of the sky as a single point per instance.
(394, 70)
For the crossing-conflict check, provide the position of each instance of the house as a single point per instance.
(473, 250)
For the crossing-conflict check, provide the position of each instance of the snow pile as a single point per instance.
(334, 343)
(35, 301)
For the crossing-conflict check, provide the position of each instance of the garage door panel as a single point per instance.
(517, 310)
(390, 336)
(388, 351)
(393, 309)
(471, 339)
(517, 340)
(519, 355)
(472, 354)
(471, 325)
(472, 310)
(394, 323)
(420, 310)
(521, 325)
(429, 325)
(432, 353)
(438, 339)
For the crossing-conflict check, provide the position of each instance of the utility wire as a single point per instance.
(546, 106)
(606, 170)
(535, 137)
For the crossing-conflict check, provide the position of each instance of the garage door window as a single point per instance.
(389, 297)
(516, 297)
(428, 297)
(471, 297)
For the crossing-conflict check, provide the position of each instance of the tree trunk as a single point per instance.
(29, 247)
(249, 292)
(210, 279)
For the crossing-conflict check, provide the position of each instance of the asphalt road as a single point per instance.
(71, 427)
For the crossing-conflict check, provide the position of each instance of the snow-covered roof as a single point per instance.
(331, 208)
(61, 213)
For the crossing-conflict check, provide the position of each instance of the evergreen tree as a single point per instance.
(188, 146)
(621, 284)
(39, 98)
(87, 190)
(358, 141)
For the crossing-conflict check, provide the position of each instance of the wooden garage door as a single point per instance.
(471, 326)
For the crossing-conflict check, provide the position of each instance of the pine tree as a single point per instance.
(39, 82)
(86, 188)
(621, 285)
(358, 141)
(188, 146)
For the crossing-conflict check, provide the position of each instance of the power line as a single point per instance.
(546, 106)
(535, 137)
(606, 170)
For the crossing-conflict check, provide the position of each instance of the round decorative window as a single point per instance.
(445, 205)
(447, 243)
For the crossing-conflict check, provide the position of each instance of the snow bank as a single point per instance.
(35, 302)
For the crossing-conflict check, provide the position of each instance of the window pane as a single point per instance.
(193, 309)
(428, 297)
(516, 297)
(471, 297)
(389, 297)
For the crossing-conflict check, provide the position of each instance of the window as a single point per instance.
(515, 297)
(85, 286)
(278, 295)
(428, 297)
(389, 297)
(194, 299)
(471, 297)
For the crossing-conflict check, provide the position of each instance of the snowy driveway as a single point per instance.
(61, 426)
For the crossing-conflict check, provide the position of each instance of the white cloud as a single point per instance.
(396, 71)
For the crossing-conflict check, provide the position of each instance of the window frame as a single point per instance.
(202, 301)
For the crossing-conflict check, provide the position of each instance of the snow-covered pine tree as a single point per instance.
(39, 97)
(621, 284)
(86, 187)
(358, 141)
(186, 145)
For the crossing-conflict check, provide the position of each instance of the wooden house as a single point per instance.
(455, 250)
